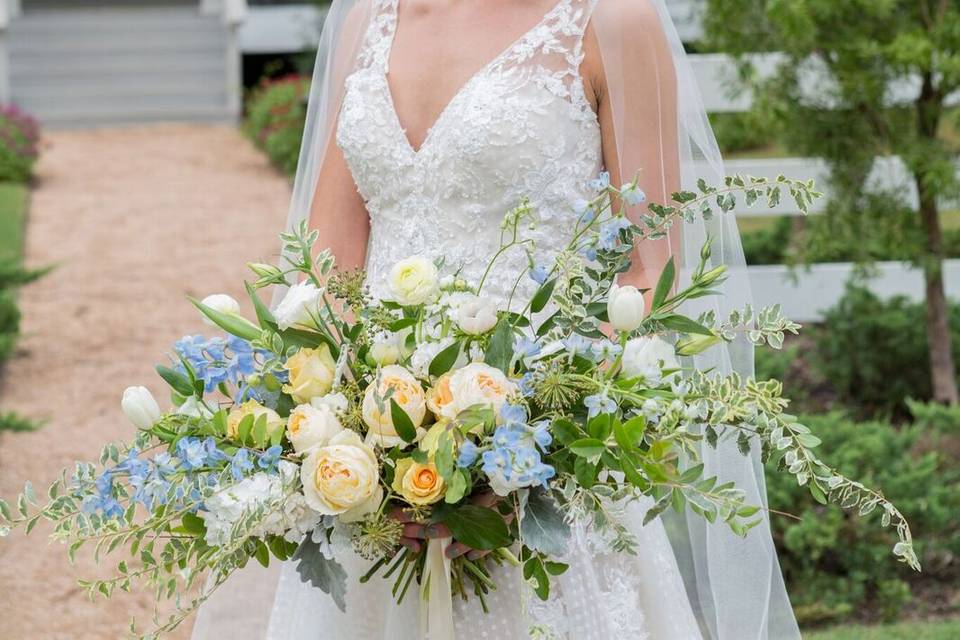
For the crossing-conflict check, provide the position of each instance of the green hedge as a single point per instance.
(276, 112)
(839, 565)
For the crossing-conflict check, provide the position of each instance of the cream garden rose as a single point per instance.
(417, 483)
(413, 281)
(342, 478)
(474, 384)
(257, 410)
(310, 426)
(311, 374)
(406, 392)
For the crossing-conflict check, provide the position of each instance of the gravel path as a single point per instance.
(136, 219)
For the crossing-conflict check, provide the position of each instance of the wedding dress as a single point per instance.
(521, 127)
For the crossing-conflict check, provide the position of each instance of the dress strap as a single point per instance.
(378, 39)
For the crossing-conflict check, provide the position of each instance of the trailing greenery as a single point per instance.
(832, 560)
(276, 112)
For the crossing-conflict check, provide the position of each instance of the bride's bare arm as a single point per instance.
(636, 102)
(339, 213)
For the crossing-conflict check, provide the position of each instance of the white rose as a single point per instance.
(477, 384)
(342, 478)
(309, 426)
(406, 392)
(223, 303)
(476, 315)
(646, 357)
(625, 308)
(140, 407)
(194, 408)
(298, 306)
(413, 281)
(337, 402)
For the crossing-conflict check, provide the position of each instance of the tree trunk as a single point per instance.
(942, 367)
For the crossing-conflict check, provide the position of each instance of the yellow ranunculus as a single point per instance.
(413, 281)
(254, 408)
(311, 374)
(418, 483)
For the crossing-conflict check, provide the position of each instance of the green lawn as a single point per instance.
(941, 630)
(13, 208)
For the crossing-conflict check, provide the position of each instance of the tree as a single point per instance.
(856, 50)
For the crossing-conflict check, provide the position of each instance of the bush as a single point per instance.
(873, 352)
(743, 131)
(838, 565)
(276, 112)
(768, 245)
(19, 144)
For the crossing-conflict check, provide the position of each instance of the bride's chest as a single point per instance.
(503, 135)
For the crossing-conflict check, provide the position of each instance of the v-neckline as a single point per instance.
(416, 151)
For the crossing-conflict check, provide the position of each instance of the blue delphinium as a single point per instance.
(601, 182)
(217, 360)
(610, 232)
(526, 347)
(469, 452)
(632, 194)
(599, 403)
(526, 385)
(538, 273)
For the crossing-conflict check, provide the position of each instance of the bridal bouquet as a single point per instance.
(338, 421)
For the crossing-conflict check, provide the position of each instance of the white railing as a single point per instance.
(234, 14)
(8, 10)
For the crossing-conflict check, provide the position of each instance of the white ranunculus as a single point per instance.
(424, 354)
(476, 315)
(140, 407)
(413, 281)
(406, 392)
(647, 357)
(625, 308)
(194, 408)
(477, 384)
(299, 305)
(336, 402)
(309, 426)
(220, 302)
(342, 478)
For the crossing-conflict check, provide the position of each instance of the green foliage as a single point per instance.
(19, 145)
(11, 421)
(9, 323)
(931, 630)
(832, 560)
(747, 131)
(873, 352)
(768, 245)
(276, 112)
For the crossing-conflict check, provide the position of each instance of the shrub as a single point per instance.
(873, 352)
(768, 245)
(743, 131)
(19, 144)
(276, 112)
(838, 565)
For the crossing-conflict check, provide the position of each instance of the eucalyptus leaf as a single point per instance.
(543, 526)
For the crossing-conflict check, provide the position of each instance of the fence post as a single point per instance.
(234, 14)
(5, 13)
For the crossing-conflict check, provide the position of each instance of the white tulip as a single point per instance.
(223, 303)
(647, 357)
(140, 407)
(625, 308)
(299, 305)
(476, 315)
(385, 350)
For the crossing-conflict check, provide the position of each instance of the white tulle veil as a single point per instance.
(734, 584)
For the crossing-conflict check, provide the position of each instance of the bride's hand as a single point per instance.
(414, 533)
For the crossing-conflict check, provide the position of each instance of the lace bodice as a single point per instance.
(520, 127)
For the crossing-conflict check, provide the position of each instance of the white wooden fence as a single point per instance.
(804, 292)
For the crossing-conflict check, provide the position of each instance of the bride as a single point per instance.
(429, 120)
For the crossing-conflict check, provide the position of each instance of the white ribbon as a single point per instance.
(436, 594)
